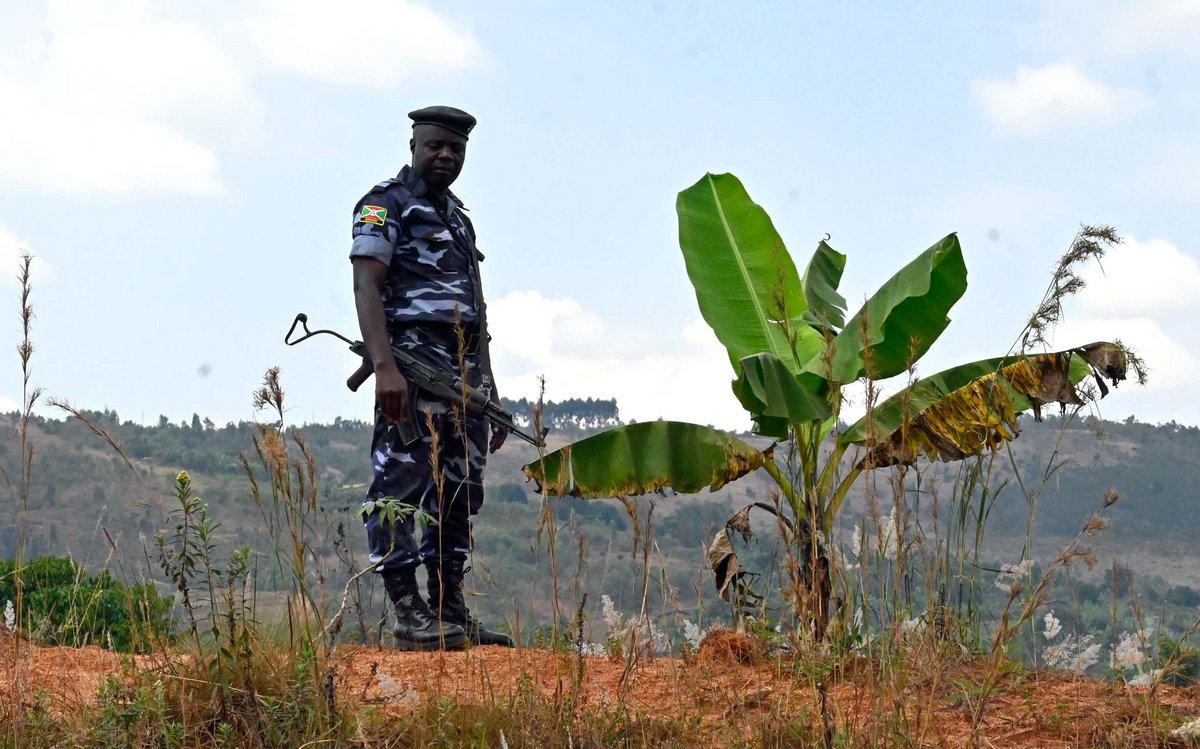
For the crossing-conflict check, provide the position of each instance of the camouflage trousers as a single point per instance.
(441, 473)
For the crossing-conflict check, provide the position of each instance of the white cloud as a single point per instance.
(536, 328)
(369, 44)
(580, 356)
(1141, 278)
(133, 97)
(68, 149)
(1057, 95)
(95, 96)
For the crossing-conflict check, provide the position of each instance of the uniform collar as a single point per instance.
(419, 188)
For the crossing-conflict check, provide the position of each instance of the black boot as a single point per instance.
(449, 604)
(415, 627)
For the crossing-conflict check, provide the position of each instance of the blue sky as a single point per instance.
(185, 173)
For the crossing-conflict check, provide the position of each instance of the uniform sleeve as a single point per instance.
(376, 228)
(471, 232)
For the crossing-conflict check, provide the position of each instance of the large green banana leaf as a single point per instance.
(826, 307)
(745, 281)
(973, 407)
(901, 320)
(776, 398)
(644, 458)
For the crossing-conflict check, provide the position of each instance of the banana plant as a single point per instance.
(793, 350)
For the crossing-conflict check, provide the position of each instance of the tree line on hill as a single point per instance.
(200, 445)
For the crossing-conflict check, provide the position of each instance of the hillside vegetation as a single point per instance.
(86, 503)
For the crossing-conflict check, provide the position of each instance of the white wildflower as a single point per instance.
(691, 633)
(662, 643)
(608, 611)
(10, 617)
(1150, 678)
(1087, 658)
(1053, 626)
(1128, 651)
(1075, 654)
(910, 625)
(1189, 730)
(856, 540)
(1055, 655)
(639, 633)
(503, 741)
(1011, 574)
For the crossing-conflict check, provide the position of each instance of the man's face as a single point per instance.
(437, 155)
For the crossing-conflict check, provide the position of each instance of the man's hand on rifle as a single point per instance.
(392, 391)
(499, 434)
(391, 387)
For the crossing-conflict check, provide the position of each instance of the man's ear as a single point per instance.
(412, 145)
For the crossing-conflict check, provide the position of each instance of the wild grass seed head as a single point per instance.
(1012, 575)
(1096, 523)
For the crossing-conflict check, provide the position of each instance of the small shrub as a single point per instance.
(1179, 661)
(65, 606)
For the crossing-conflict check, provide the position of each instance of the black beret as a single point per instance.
(454, 120)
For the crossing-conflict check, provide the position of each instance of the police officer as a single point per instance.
(417, 286)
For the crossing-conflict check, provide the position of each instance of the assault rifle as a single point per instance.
(434, 381)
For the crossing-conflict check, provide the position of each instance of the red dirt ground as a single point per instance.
(728, 686)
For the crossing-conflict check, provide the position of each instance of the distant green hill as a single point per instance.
(86, 503)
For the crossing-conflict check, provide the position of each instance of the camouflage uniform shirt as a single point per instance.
(427, 246)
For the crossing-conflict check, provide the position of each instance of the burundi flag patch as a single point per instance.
(372, 214)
